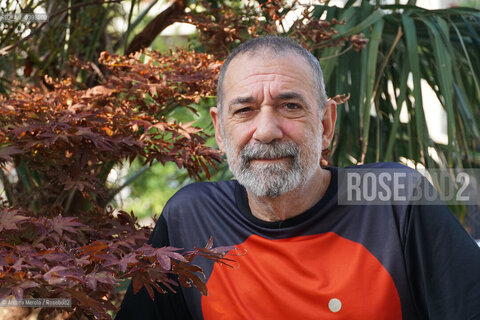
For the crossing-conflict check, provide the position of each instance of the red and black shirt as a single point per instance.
(330, 262)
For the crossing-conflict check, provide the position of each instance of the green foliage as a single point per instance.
(150, 192)
(28, 51)
(408, 45)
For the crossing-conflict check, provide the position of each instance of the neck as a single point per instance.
(292, 203)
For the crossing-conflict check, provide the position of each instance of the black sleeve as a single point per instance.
(443, 264)
(165, 306)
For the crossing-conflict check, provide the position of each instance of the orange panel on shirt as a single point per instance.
(310, 277)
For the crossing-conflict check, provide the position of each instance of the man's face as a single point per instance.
(272, 130)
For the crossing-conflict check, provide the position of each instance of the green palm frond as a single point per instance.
(409, 48)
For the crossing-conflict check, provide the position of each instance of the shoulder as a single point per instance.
(195, 212)
(200, 194)
(198, 190)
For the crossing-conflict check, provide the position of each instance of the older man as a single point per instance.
(307, 257)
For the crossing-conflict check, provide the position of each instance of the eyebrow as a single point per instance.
(290, 95)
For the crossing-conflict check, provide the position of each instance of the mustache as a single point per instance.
(272, 150)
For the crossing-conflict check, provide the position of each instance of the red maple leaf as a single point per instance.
(93, 248)
(129, 258)
(10, 219)
(61, 224)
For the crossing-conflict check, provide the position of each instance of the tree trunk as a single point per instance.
(175, 9)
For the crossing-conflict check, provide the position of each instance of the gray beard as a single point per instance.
(276, 178)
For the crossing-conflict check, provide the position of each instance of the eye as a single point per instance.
(242, 110)
(292, 106)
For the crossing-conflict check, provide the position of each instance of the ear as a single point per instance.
(328, 123)
(218, 132)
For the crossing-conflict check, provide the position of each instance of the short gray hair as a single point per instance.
(275, 45)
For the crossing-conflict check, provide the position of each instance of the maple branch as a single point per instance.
(129, 180)
(99, 73)
(175, 9)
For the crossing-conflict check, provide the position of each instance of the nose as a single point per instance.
(267, 126)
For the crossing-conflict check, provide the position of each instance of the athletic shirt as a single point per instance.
(330, 262)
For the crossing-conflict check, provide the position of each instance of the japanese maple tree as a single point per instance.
(59, 238)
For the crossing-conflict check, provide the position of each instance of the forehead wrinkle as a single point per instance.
(267, 76)
(274, 83)
(266, 70)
